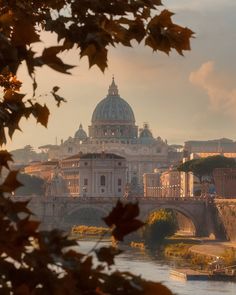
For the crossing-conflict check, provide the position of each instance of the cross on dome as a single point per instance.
(113, 89)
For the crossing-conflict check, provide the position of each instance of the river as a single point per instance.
(151, 268)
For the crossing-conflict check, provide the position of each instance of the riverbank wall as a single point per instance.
(226, 210)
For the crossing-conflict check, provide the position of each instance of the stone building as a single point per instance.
(152, 184)
(206, 148)
(163, 184)
(225, 182)
(95, 174)
(190, 184)
(44, 170)
(171, 183)
(56, 186)
(113, 130)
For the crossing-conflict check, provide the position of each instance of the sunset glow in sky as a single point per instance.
(182, 98)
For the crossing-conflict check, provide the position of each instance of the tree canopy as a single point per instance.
(31, 185)
(204, 167)
(160, 225)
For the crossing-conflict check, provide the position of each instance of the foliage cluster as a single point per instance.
(200, 261)
(182, 250)
(160, 225)
(89, 230)
(31, 185)
(34, 262)
(229, 256)
(90, 26)
(204, 167)
(139, 245)
(178, 250)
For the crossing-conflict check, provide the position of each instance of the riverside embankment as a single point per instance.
(213, 248)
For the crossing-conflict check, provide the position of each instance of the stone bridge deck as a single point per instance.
(62, 212)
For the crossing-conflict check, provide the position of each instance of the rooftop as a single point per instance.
(102, 155)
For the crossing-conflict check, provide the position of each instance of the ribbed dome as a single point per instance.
(113, 108)
(80, 133)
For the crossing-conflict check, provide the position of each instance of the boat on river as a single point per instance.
(225, 274)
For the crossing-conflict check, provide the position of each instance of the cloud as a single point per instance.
(221, 99)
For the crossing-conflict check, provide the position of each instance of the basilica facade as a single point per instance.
(113, 130)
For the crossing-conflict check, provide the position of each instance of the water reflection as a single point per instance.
(151, 267)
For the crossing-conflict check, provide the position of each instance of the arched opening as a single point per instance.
(186, 226)
(88, 216)
(164, 223)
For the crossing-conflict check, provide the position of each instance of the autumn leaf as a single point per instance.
(27, 226)
(124, 228)
(24, 33)
(41, 113)
(49, 57)
(3, 139)
(11, 183)
(5, 157)
(123, 217)
(7, 18)
(107, 254)
(96, 56)
(23, 290)
(11, 95)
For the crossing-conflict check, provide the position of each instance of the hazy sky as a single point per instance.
(181, 98)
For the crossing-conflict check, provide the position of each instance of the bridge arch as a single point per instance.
(84, 215)
(179, 209)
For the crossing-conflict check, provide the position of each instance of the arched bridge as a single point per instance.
(64, 212)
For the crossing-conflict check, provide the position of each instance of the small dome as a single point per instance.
(145, 135)
(145, 132)
(113, 108)
(80, 133)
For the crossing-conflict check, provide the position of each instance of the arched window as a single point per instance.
(102, 180)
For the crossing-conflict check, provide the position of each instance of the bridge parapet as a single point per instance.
(111, 199)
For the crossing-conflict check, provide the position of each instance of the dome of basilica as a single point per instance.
(113, 108)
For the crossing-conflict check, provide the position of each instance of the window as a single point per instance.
(85, 163)
(102, 180)
(119, 190)
(119, 181)
(85, 181)
(119, 163)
